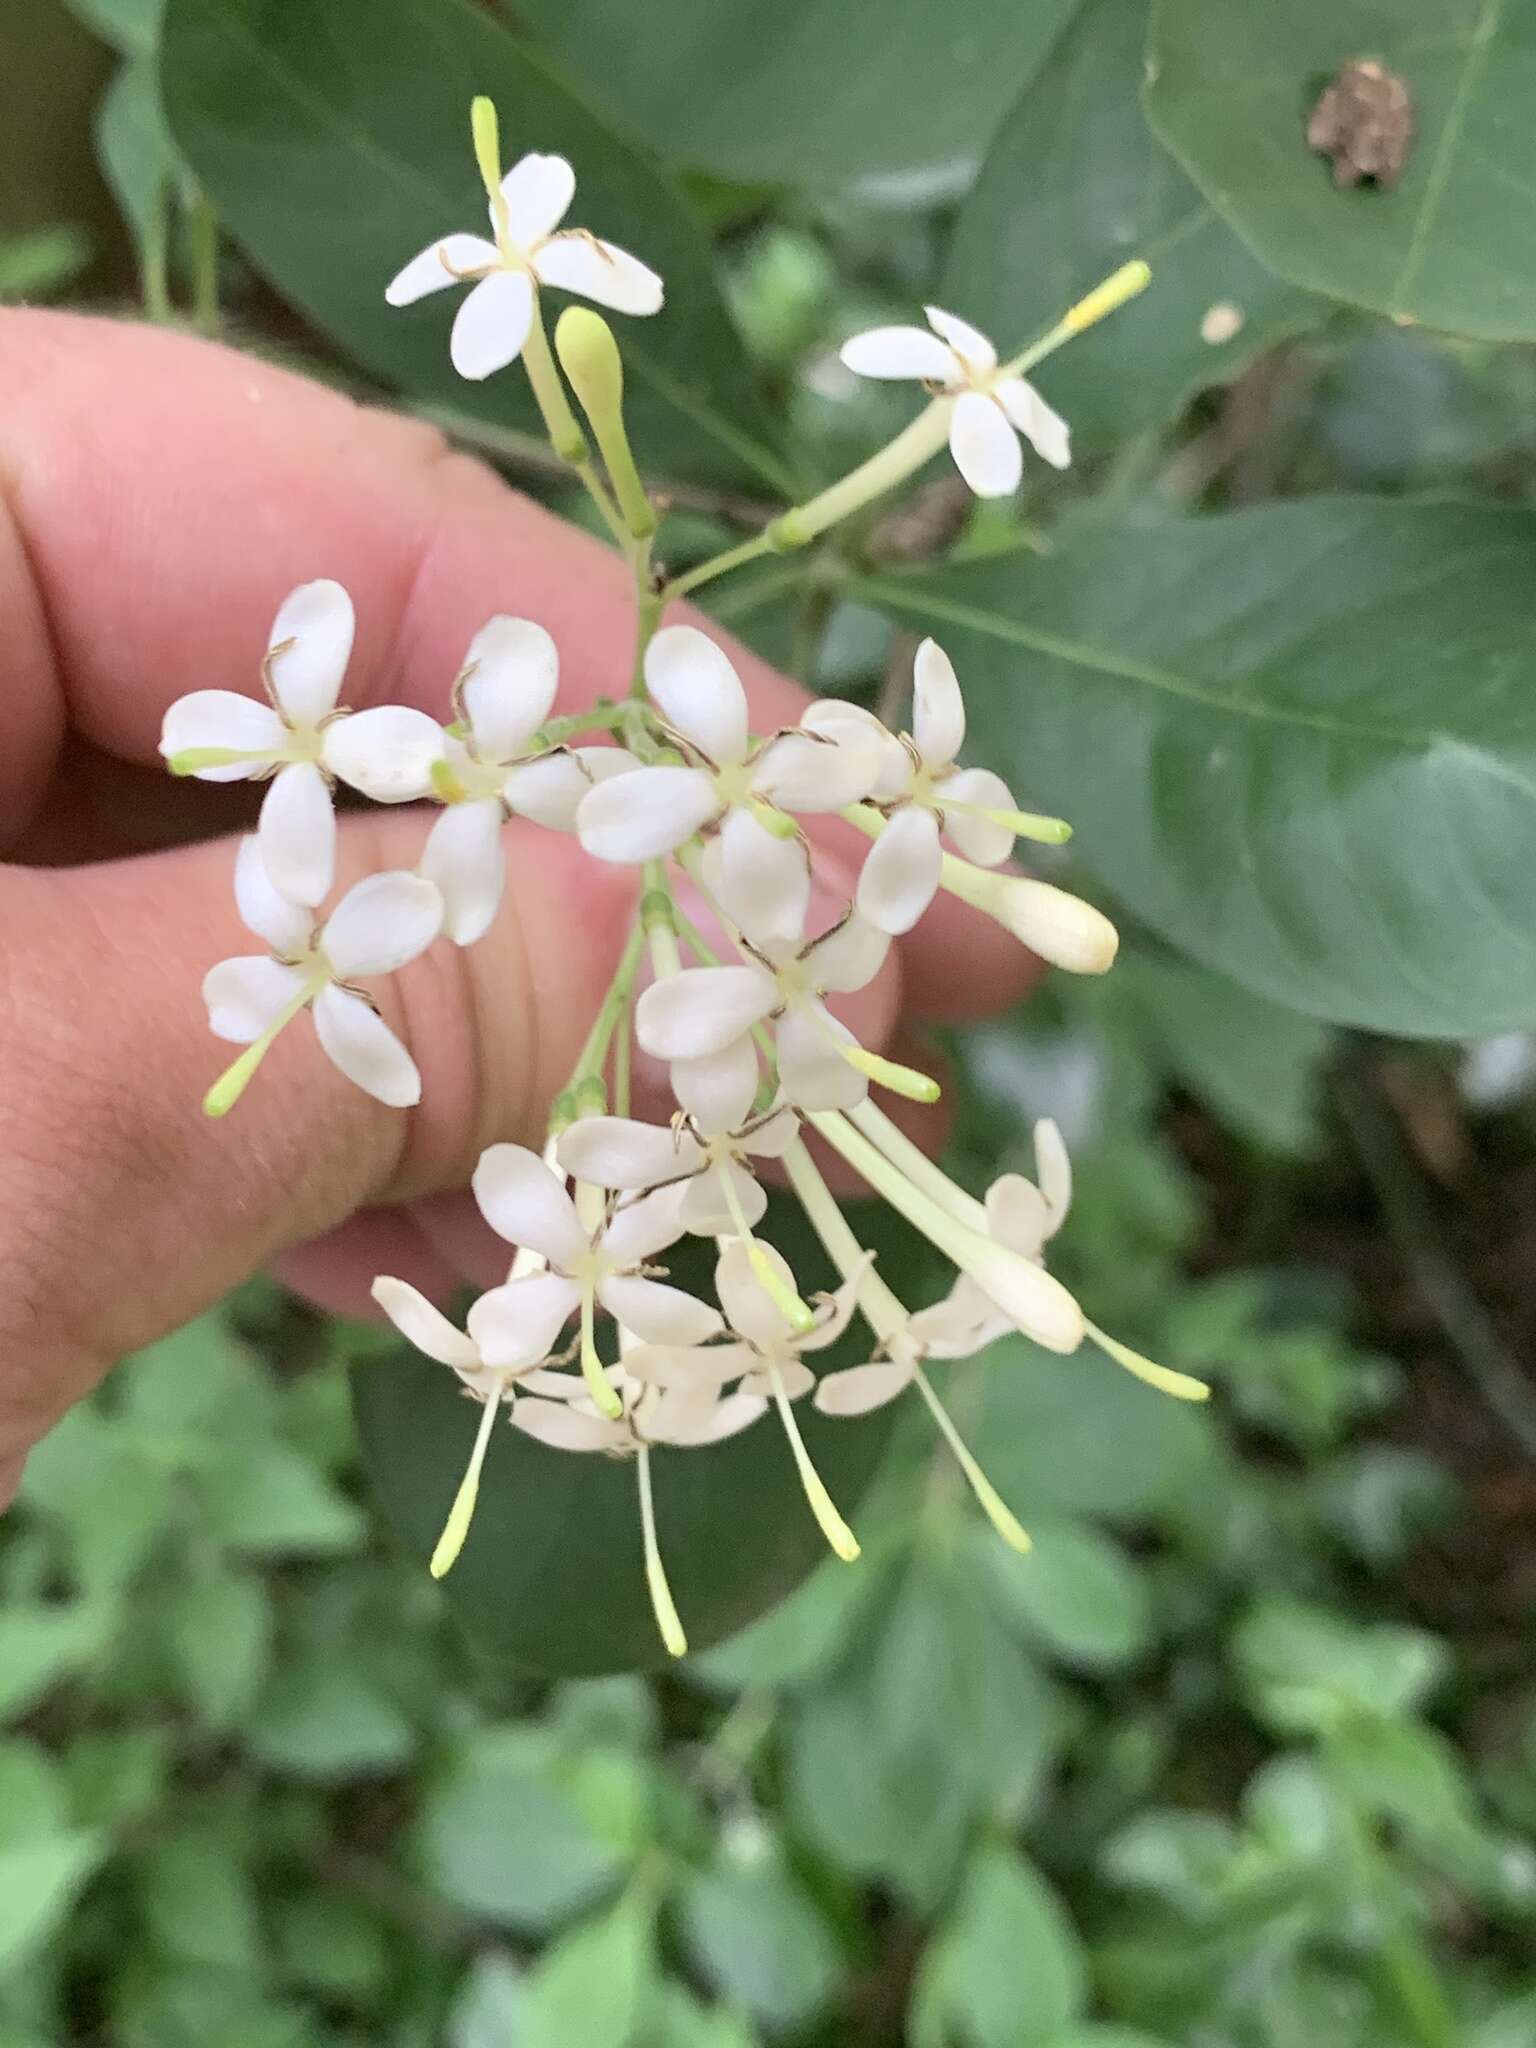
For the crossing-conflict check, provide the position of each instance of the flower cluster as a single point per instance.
(728, 978)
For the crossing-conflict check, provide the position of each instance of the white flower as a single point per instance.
(924, 793)
(302, 740)
(492, 324)
(720, 1195)
(684, 1416)
(378, 925)
(702, 1013)
(699, 696)
(492, 766)
(601, 1261)
(991, 408)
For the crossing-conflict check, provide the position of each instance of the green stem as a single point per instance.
(880, 1308)
(155, 258)
(590, 1060)
(1407, 1975)
(203, 225)
(720, 565)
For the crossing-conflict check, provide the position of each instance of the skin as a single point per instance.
(158, 497)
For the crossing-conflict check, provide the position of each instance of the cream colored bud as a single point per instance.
(1060, 927)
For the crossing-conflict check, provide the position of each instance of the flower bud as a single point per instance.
(485, 130)
(590, 358)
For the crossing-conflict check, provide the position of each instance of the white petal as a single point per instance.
(652, 811)
(244, 995)
(981, 840)
(567, 1429)
(387, 753)
(749, 1308)
(834, 1312)
(492, 324)
(599, 271)
(773, 1137)
(707, 1209)
(938, 709)
(358, 1041)
(285, 925)
(899, 352)
(968, 342)
(848, 957)
(900, 875)
(1045, 431)
(619, 1152)
(465, 860)
(639, 1229)
(442, 263)
(380, 923)
(702, 1010)
(223, 718)
(861, 1388)
(711, 1425)
(985, 447)
(812, 1075)
(796, 1379)
(698, 692)
(718, 1090)
(511, 673)
(525, 1203)
(656, 1313)
(763, 880)
(517, 1324)
(1053, 1165)
(318, 620)
(538, 191)
(858, 730)
(423, 1325)
(1018, 1215)
(550, 789)
(801, 773)
(696, 1368)
(297, 833)
(960, 1325)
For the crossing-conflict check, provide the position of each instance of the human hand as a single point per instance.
(158, 498)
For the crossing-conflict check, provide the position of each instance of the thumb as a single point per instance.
(134, 1211)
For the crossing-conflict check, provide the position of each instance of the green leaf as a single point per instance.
(594, 1985)
(1310, 1671)
(1073, 185)
(38, 1880)
(42, 1645)
(36, 264)
(199, 1903)
(1453, 245)
(490, 2006)
(1298, 740)
(265, 1498)
(220, 1636)
(828, 92)
(552, 1575)
(756, 1936)
(797, 1643)
(334, 141)
(1007, 1970)
(321, 1720)
(500, 1840)
(1076, 1592)
(136, 155)
(131, 26)
(1256, 1065)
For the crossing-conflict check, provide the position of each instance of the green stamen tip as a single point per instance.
(485, 130)
(891, 1074)
(784, 1299)
(192, 759)
(446, 786)
(455, 1529)
(1181, 1385)
(233, 1082)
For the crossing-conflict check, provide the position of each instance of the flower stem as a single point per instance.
(594, 1053)
(720, 565)
(918, 442)
(203, 230)
(462, 1513)
(879, 1307)
(604, 1398)
(662, 1604)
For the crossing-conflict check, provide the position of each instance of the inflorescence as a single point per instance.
(671, 781)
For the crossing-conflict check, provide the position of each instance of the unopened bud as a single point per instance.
(589, 356)
(485, 130)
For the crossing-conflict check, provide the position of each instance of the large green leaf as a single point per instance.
(1453, 244)
(334, 140)
(813, 92)
(1073, 186)
(552, 1575)
(1298, 740)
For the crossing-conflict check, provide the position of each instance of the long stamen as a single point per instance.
(233, 1082)
(764, 1272)
(191, 760)
(1182, 1385)
(1023, 824)
(662, 1604)
(879, 1307)
(830, 1522)
(998, 1513)
(462, 1513)
(603, 1394)
(907, 1081)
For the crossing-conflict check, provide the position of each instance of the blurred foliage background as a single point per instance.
(1244, 1756)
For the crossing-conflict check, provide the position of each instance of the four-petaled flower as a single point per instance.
(991, 407)
(301, 739)
(379, 924)
(492, 324)
(492, 766)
